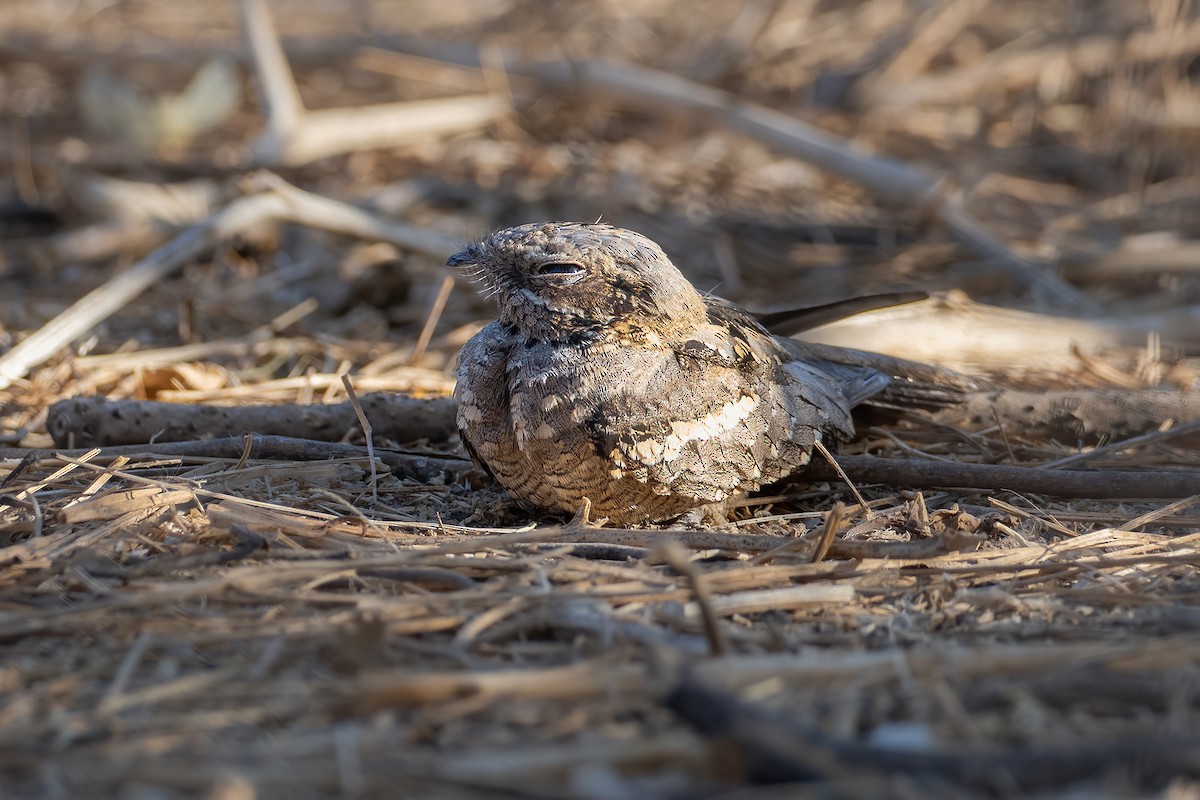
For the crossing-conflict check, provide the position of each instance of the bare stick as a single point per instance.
(1154, 437)
(333, 131)
(938, 27)
(835, 520)
(824, 451)
(366, 427)
(673, 553)
(1132, 263)
(435, 314)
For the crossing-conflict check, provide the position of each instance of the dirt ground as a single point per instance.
(232, 618)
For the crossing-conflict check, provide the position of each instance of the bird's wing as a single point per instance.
(725, 410)
(686, 425)
(831, 386)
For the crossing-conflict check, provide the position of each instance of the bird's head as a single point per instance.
(555, 279)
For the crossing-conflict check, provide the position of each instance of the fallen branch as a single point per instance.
(1098, 484)
(99, 422)
(952, 330)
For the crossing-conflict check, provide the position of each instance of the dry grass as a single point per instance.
(237, 628)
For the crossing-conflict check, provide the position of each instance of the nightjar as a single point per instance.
(609, 377)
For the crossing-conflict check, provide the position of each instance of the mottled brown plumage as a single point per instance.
(609, 377)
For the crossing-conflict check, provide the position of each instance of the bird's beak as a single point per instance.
(463, 258)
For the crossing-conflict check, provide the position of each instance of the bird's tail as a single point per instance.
(791, 321)
(914, 384)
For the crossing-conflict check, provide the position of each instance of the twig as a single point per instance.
(16, 472)
(315, 211)
(431, 321)
(282, 98)
(932, 547)
(372, 690)
(1159, 513)
(38, 520)
(366, 428)
(824, 451)
(673, 554)
(937, 27)
(131, 661)
(835, 520)
(1133, 263)
(760, 600)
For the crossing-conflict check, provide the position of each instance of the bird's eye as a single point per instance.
(560, 268)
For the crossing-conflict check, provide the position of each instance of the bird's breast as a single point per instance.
(552, 392)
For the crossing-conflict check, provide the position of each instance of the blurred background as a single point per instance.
(1068, 130)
